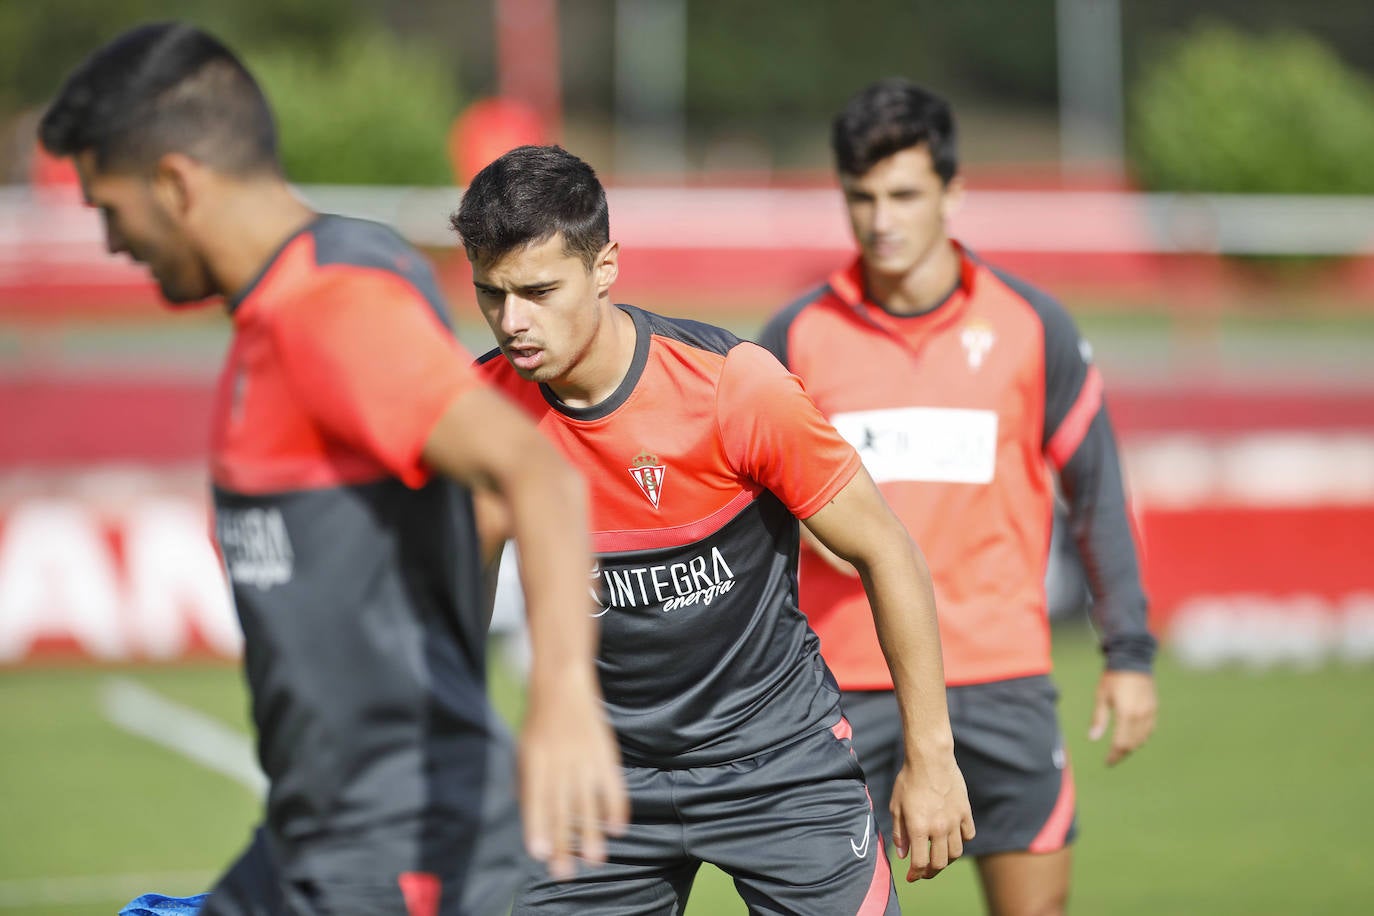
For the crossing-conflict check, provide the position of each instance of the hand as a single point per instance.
(1129, 696)
(572, 791)
(931, 817)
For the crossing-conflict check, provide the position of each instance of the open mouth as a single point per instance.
(525, 358)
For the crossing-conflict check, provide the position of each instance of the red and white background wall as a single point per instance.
(1254, 500)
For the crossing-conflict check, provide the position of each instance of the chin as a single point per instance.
(179, 297)
(891, 266)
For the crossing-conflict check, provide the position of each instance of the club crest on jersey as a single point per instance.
(977, 338)
(648, 473)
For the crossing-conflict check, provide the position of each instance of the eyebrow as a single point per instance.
(523, 288)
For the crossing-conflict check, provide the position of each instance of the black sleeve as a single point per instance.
(1101, 529)
(1079, 440)
(773, 337)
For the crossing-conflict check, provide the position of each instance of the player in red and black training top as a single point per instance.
(958, 384)
(701, 453)
(348, 430)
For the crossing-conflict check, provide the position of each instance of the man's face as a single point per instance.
(138, 223)
(544, 306)
(898, 210)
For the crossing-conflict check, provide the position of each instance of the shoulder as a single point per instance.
(361, 254)
(697, 335)
(777, 332)
(1052, 315)
(344, 240)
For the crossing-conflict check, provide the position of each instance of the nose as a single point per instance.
(882, 216)
(114, 239)
(515, 315)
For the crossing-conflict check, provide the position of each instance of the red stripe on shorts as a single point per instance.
(875, 901)
(842, 729)
(1056, 829)
(421, 892)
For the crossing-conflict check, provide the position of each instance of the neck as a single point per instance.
(254, 221)
(921, 288)
(604, 364)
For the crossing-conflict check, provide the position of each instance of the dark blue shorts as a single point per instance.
(793, 827)
(1009, 747)
(483, 865)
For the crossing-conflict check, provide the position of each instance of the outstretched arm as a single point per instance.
(572, 790)
(1079, 442)
(931, 816)
(1099, 521)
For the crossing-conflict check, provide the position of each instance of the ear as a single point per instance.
(953, 200)
(607, 267)
(175, 185)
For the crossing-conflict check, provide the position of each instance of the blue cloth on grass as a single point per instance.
(159, 905)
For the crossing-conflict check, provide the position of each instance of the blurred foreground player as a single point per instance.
(701, 454)
(349, 435)
(959, 385)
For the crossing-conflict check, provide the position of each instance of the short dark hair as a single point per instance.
(160, 88)
(527, 196)
(889, 116)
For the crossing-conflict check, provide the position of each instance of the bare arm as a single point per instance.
(571, 787)
(930, 807)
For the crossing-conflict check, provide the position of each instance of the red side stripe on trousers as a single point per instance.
(1056, 829)
(421, 892)
(842, 729)
(880, 889)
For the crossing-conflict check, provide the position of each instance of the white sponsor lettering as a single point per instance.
(176, 582)
(944, 444)
(699, 580)
(1262, 631)
(256, 545)
(58, 579)
(1261, 469)
(141, 583)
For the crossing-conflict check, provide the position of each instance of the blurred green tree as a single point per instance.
(43, 40)
(372, 110)
(1221, 110)
(354, 103)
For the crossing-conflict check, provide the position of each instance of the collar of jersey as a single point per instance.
(643, 337)
(232, 303)
(848, 286)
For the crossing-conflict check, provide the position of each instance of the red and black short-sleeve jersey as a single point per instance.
(699, 465)
(354, 571)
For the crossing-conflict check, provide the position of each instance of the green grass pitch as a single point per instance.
(1253, 797)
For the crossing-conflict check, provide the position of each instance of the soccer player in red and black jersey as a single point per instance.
(349, 435)
(960, 385)
(701, 453)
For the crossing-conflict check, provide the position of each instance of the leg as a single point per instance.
(646, 873)
(795, 829)
(498, 863)
(877, 725)
(1026, 883)
(1009, 747)
(251, 886)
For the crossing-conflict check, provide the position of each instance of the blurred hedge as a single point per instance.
(371, 110)
(354, 103)
(1225, 111)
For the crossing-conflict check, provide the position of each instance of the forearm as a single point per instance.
(547, 507)
(1099, 521)
(903, 601)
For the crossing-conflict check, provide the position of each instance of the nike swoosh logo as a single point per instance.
(862, 851)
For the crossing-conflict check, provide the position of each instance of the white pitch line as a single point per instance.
(80, 889)
(194, 735)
